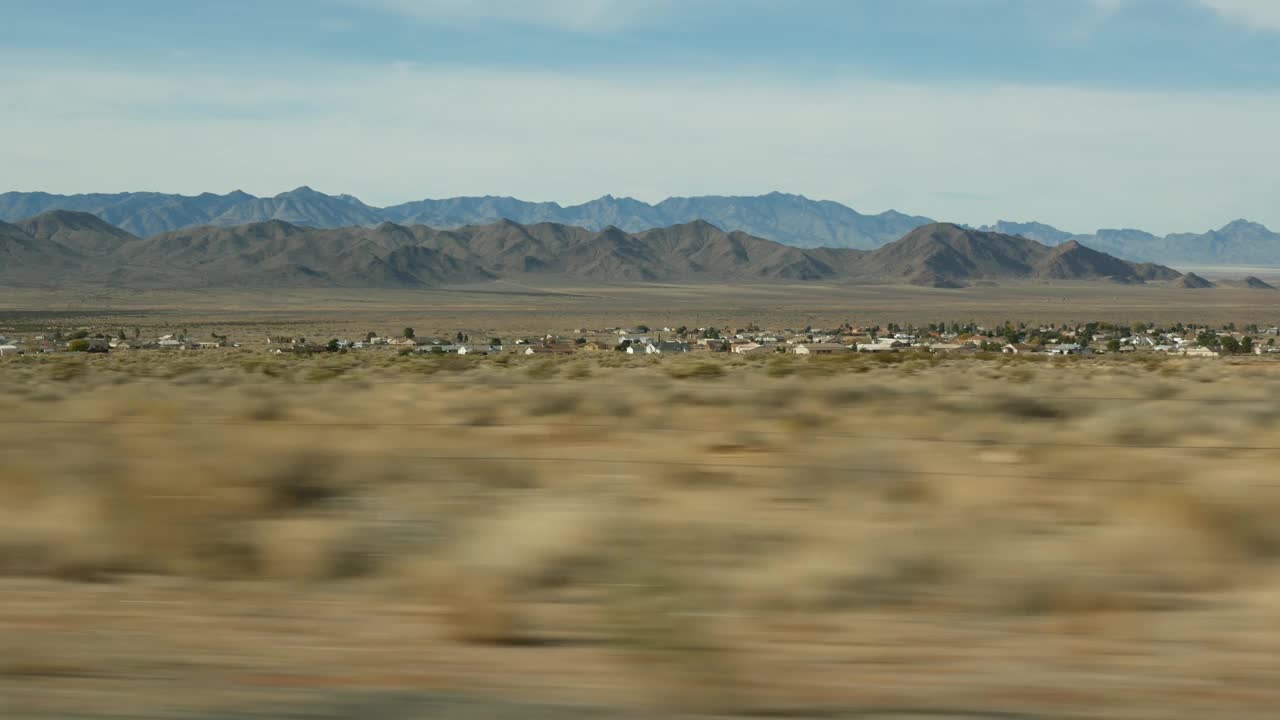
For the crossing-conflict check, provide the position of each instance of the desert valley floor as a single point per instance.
(504, 306)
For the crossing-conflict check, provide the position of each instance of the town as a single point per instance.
(945, 337)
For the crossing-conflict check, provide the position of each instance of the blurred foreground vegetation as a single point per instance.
(699, 534)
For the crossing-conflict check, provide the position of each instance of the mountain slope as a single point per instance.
(302, 206)
(27, 260)
(790, 219)
(947, 255)
(279, 253)
(1193, 281)
(79, 231)
(75, 247)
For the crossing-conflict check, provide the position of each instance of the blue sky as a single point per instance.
(1157, 114)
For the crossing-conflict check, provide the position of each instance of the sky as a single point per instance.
(1155, 114)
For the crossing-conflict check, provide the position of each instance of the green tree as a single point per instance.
(79, 345)
(1230, 345)
(370, 335)
(495, 341)
(1113, 345)
(79, 334)
(408, 332)
(333, 345)
(1246, 345)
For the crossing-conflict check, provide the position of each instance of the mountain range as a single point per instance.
(1237, 243)
(60, 247)
(788, 219)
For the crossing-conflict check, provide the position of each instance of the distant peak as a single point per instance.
(1242, 224)
(300, 190)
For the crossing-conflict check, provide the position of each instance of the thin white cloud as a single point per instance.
(1257, 14)
(1077, 158)
(571, 15)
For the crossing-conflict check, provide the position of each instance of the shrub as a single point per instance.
(697, 371)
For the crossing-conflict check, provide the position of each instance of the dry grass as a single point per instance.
(707, 521)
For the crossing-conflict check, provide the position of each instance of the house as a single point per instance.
(886, 345)
(437, 347)
(1068, 349)
(743, 348)
(1199, 351)
(170, 343)
(659, 348)
(552, 349)
(819, 349)
(9, 349)
(1019, 349)
(593, 346)
(479, 349)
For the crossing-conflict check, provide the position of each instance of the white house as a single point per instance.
(883, 345)
(1017, 348)
(1067, 349)
(479, 349)
(9, 350)
(664, 347)
(819, 349)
